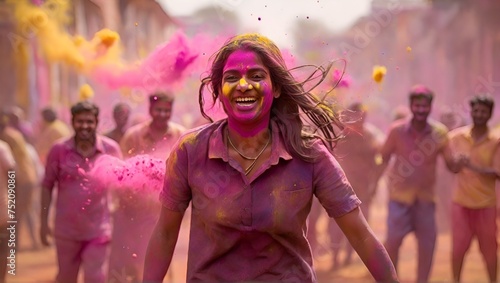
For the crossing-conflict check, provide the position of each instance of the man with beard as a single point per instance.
(474, 209)
(82, 229)
(414, 144)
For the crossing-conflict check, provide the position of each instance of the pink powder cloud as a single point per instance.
(142, 174)
(165, 68)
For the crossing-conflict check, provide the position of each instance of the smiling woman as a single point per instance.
(251, 178)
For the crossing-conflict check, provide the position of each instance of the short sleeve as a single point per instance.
(176, 193)
(331, 186)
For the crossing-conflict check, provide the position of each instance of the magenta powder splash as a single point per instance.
(343, 80)
(141, 173)
(165, 68)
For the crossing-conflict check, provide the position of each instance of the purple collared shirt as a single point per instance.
(82, 209)
(250, 229)
(412, 174)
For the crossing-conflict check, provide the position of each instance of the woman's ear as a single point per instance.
(276, 92)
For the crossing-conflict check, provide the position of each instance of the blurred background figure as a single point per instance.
(356, 153)
(121, 114)
(7, 164)
(474, 211)
(414, 145)
(51, 130)
(452, 120)
(17, 120)
(135, 213)
(26, 161)
(400, 112)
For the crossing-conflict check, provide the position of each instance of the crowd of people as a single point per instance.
(254, 184)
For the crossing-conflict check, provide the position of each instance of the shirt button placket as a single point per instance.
(246, 212)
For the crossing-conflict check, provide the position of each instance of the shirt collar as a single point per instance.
(468, 134)
(409, 128)
(99, 145)
(217, 147)
(148, 133)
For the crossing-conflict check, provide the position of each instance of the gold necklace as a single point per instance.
(254, 159)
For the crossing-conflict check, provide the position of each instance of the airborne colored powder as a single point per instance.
(165, 68)
(341, 79)
(47, 21)
(140, 173)
(378, 73)
(40, 21)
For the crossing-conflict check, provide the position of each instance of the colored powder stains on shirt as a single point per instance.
(269, 209)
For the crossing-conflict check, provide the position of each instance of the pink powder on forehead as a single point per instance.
(142, 174)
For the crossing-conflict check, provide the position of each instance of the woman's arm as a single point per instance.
(161, 245)
(368, 247)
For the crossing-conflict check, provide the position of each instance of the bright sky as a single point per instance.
(276, 16)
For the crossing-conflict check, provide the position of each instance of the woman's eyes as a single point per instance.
(254, 77)
(231, 79)
(257, 77)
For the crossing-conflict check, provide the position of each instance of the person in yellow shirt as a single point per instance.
(474, 199)
(52, 129)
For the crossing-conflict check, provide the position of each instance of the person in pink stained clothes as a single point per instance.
(82, 228)
(153, 138)
(156, 135)
(474, 210)
(414, 144)
(251, 179)
(356, 154)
